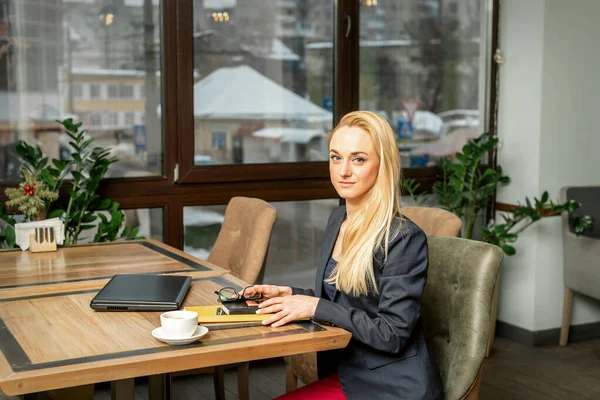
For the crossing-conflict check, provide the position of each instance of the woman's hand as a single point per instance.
(269, 291)
(287, 309)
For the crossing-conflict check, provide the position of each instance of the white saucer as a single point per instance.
(162, 336)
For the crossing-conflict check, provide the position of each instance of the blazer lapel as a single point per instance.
(329, 239)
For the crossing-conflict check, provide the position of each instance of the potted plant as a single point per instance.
(465, 187)
(37, 194)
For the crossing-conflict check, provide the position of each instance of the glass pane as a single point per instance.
(96, 61)
(296, 238)
(149, 222)
(419, 67)
(263, 80)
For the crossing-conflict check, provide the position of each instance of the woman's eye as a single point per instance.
(335, 158)
(359, 160)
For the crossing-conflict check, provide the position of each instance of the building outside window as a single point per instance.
(126, 91)
(95, 91)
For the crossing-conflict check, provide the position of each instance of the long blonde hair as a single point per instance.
(369, 227)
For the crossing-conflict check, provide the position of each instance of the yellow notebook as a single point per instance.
(208, 314)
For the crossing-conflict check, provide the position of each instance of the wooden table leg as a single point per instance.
(219, 382)
(159, 387)
(243, 381)
(122, 389)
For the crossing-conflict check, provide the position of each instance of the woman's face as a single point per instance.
(353, 164)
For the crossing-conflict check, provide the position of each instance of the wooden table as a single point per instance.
(50, 338)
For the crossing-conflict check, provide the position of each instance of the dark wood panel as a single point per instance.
(185, 88)
(493, 104)
(254, 172)
(346, 58)
(170, 92)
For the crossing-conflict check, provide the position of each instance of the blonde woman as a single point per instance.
(369, 279)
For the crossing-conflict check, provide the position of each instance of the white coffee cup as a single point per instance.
(180, 323)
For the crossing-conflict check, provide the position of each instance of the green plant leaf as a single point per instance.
(77, 176)
(11, 239)
(48, 178)
(60, 164)
(104, 204)
(89, 218)
(85, 227)
(509, 250)
(56, 213)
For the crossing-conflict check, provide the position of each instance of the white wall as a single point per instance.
(548, 124)
(519, 119)
(570, 145)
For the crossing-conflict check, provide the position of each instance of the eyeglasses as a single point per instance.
(230, 294)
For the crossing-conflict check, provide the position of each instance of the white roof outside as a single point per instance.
(366, 43)
(116, 72)
(128, 3)
(218, 4)
(277, 51)
(243, 93)
(295, 135)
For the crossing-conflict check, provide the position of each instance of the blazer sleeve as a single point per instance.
(400, 287)
(307, 292)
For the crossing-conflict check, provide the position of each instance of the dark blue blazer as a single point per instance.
(387, 357)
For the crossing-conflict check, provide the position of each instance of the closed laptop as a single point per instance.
(142, 292)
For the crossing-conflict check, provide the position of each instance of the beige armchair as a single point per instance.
(581, 253)
(433, 221)
(244, 238)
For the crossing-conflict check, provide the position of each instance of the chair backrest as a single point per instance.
(433, 221)
(244, 237)
(457, 307)
(589, 198)
(581, 254)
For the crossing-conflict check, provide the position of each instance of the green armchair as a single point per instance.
(457, 308)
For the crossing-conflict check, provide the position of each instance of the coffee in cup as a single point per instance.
(180, 323)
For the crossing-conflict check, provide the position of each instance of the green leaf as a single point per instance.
(85, 227)
(509, 250)
(89, 218)
(75, 146)
(56, 213)
(104, 204)
(11, 238)
(77, 176)
(60, 164)
(48, 178)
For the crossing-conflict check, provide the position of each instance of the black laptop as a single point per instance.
(142, 292)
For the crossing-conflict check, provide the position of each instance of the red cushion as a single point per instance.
(328, 388)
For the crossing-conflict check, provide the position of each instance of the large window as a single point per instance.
(419, 67)
(203, 100)
(263, 93)
(81, 59)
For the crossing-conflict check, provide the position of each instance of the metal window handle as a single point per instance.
(348, 24)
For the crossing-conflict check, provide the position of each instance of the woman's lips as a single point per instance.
(346, 184)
